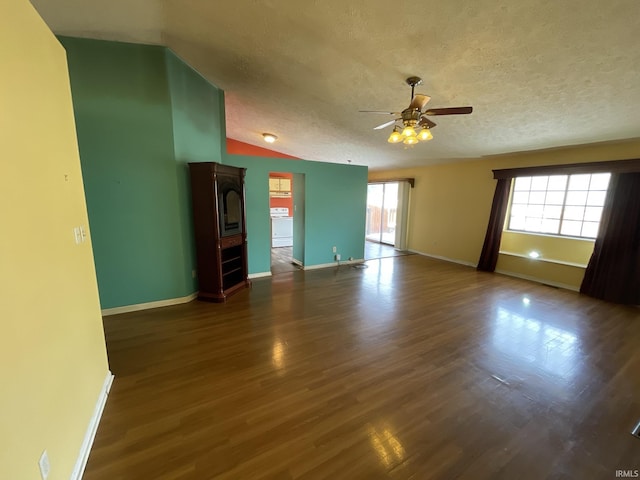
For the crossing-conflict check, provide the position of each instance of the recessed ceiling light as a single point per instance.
(269, 137)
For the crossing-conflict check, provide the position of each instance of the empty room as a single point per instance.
(321, 240)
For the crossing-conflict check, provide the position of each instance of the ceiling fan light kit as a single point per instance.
(396, 135)
(409, 131)
(413, 116)
(425, 135)
(408, 135)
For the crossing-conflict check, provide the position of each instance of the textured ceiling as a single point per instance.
(539, 73)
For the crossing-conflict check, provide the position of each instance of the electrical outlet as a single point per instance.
(334, 249)
(337, 257)
(44, 465)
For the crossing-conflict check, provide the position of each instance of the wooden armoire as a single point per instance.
(218, 202)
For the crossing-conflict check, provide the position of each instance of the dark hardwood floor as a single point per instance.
(282, 260)
(412, 368)
(373, 250)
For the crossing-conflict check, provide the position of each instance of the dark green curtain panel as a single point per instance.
(613, 273)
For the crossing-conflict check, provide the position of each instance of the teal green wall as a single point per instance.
(198, 136)
(141, 115)
(335, 208)
(125, 136)
(298, 216)
(198, 114)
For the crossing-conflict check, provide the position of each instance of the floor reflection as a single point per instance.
(277, 356)
(380, 250)
(379, 288)
(386, 445)
(526, 338)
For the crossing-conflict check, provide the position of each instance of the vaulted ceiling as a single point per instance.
(539, 73)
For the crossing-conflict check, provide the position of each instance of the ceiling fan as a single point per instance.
(413, 116)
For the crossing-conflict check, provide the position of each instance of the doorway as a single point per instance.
(387, 218)
(283, 211)
(382, 209)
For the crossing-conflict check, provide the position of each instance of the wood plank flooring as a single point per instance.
(412, 368)
(282, 260)
(374, 250)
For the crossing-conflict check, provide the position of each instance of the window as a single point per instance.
(569, 205)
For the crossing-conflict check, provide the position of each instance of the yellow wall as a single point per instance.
(572, 251)
(445, 217)
(562, 260)
(53, 360)
(450, 208)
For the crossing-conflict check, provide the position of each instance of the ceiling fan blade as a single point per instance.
(379, 112)
(386, 124)
(449, 111)
(425, 122)
(419, 101)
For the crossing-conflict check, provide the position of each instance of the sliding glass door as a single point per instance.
(382, 206)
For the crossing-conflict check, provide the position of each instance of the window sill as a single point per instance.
(536, 234)
(546, 260)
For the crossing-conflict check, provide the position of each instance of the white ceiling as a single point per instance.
(539, 73)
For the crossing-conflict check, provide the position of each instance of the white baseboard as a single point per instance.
(259, 275)
(446, 259)
(92, 428)
(148, 305)
(539, 280)
(333, 264)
